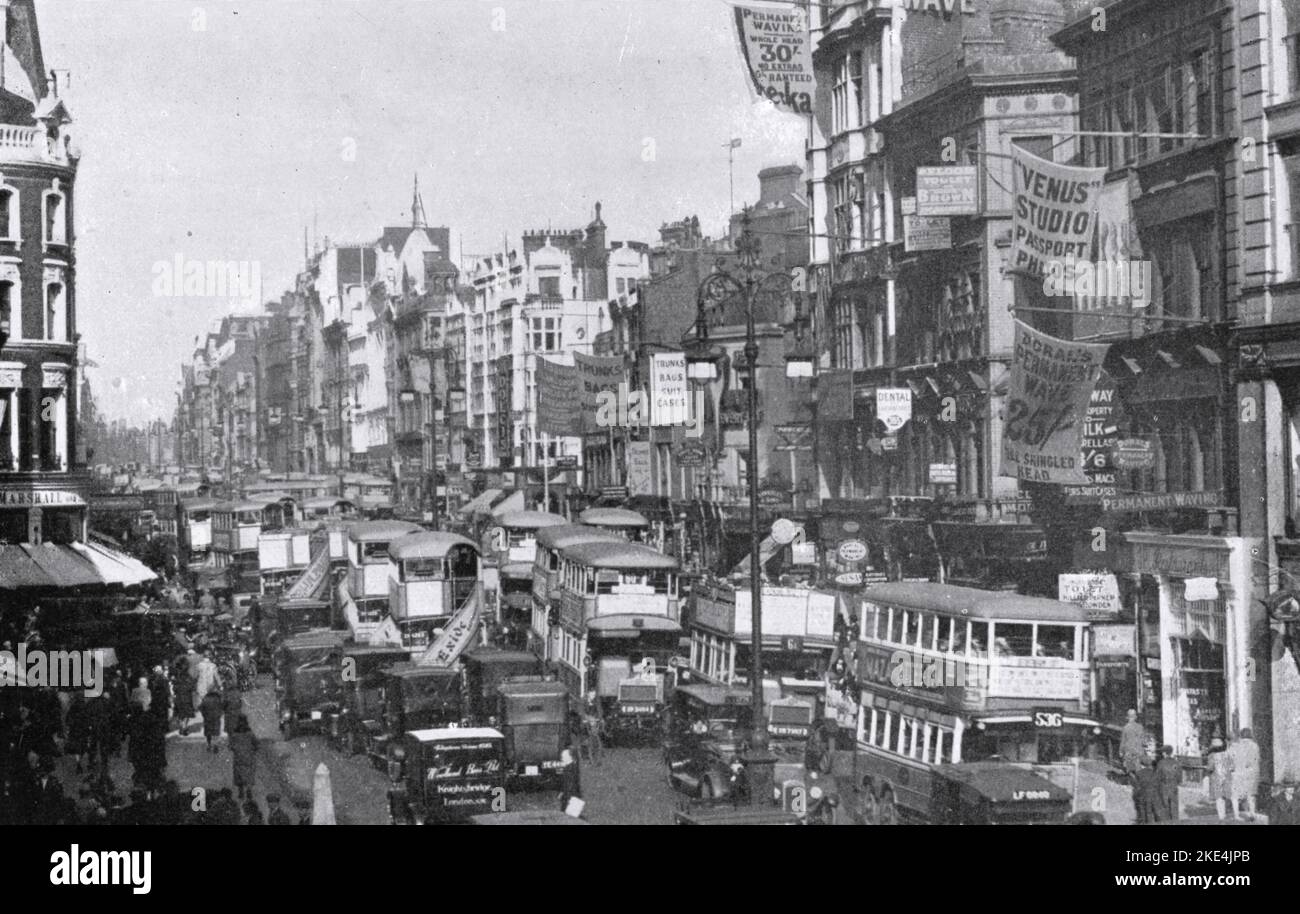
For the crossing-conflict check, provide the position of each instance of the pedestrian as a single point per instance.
(1169, 775)
(184, 707)
(232, 706)
(252, 813)
(141, 695)
(1132, 744)
(275, 815)
(304, 812)
(224, 810)
(1286, 805)
(570, 778)
(206, 677)
(46, 802)
(243, 752)
(147, 749)
(211, 709)
(1220, 764)
(592, 725)
(160, 692)
(1146, 793)
(1245, 773)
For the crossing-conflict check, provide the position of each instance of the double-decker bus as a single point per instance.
(430, 576)
(618, 609)
(544, 634)
(511, 546)
(361, 598)
(953, 674)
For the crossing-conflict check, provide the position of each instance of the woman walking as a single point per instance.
(210, 708)
(243, 752)
(1220, 763)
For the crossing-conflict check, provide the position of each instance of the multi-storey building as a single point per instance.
(550, 297)
(910, 89)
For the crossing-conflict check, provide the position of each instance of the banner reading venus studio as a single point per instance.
(1047, 401)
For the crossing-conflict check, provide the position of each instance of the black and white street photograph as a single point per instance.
(651, 412)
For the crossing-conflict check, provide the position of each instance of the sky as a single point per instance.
(216, 132)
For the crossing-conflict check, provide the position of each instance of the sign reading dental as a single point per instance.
(893, 407)
(1055, 212)
(670, 401)
(1051, 385)
(778, 55)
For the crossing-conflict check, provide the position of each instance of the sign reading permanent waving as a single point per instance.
(1055, 212)
(778, 55)
(1051, 384)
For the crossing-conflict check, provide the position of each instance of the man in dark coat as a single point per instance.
(211, 710)
(47, 802)
(1146, 793)
(160, 692)
(1286, 805)
(1169, 774)
(224, 810)
(275, 814)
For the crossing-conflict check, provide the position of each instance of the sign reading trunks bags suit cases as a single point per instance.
(1051, 384)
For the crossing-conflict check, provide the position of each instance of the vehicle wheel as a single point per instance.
(887, 812)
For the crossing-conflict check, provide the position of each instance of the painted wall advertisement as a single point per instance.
(1055, 212)
(777, 50)
(1051, 386)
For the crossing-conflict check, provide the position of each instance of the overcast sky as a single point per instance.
(216, 131)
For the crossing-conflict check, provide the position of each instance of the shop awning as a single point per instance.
(481, 502)
(115, 567)
(767, 549)
(513, 502)
(18, 569)
(66, 567)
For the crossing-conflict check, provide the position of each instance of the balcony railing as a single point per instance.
(30, 144)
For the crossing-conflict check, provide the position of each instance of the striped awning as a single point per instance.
(74, 565)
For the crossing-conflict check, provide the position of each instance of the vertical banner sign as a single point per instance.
(640, 477)
(595, 374)
(559, 405)
(1051, 385)
(893, 407)
(1055, 212)
(778, 55)
(670, 402)
(835, 393)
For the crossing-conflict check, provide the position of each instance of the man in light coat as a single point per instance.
(206, 678)
(1132, 744)
(1245, 772)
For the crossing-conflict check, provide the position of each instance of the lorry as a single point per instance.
(485, 669)
(411, 697)
(362, 670)
(637, 713)
(444, 775)
(534, 716)
(307, 683)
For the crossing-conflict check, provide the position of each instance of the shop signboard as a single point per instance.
(893, 407)
(1134, 454)
(947, 190)
(1114, 640)
(1097, 592)
(1162, 501)
(943, 474)
(852, 551)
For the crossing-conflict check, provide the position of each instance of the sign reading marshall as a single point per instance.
(38, 499)
(1051, 386)
(778, 55)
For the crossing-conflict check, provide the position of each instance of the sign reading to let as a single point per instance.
(947, 190)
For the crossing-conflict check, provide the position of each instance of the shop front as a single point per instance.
(1200, 667)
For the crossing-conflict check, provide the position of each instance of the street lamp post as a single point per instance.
(718, 288)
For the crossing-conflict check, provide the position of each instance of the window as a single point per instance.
(845, 331)
(56, 221)
(1055, 641)
(620, 285)
(8, 326)
(56, 324)
(1040, 146)
(846, 94)
(50, 429)
(8, 213)
(549, 286)
(546, 334)
(1013, 639)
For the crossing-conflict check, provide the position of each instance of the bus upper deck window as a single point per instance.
(979, 638)
(1013, 639)
(911, 627)
(929, 630)
(1055, 641)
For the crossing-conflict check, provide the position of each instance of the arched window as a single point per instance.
(56, 313)
(56, 219)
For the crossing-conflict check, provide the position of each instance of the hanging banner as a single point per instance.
(893, 407)
(1055, 212)
(595, 375)
(1043, 424)
(559, 409)
(456, 636)
(670, 402)
(778, 55)
(421, 374)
